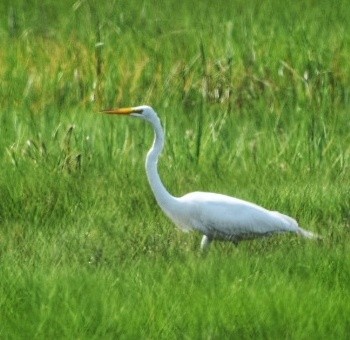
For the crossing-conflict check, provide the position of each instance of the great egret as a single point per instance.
(216, 216)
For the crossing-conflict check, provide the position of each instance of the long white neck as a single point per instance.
(163, 197)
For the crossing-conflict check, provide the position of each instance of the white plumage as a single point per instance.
(216, 216)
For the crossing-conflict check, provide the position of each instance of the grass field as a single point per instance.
(255, 99)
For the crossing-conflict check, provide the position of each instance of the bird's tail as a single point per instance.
(308, 234)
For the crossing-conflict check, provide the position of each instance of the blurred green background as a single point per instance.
(254, 97)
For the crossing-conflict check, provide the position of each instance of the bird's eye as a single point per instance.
(140, 111)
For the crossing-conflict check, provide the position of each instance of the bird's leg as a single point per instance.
(235, 242)
(206, 240)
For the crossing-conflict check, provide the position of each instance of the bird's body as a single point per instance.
(228, 218)
(214, 215)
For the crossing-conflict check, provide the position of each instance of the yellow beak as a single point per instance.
(122, 111)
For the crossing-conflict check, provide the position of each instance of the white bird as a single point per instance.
(216, 216)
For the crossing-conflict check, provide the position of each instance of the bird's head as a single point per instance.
(145, 112)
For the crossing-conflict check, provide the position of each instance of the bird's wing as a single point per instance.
(229, 216)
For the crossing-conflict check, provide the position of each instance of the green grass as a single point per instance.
(255, 99)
